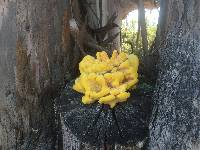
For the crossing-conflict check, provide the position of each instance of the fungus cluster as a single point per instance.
(105, 79)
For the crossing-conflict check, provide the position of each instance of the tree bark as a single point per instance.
(38, 33)
(8, 116)
(175, 120)
(142, 26)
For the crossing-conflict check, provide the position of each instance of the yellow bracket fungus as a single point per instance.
(105, 79)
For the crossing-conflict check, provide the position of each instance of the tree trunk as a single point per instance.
(38, 33)
(8, 116)
(175, 120)
(142, 26)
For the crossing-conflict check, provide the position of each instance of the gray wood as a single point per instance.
(8, 116)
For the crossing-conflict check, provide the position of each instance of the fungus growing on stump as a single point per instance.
(101, 107)
(107, 80)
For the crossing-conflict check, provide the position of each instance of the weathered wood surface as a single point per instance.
(8, 116)
(38, 33)
(73, 143)
(101, 126)
(175, 121)
(43, 59)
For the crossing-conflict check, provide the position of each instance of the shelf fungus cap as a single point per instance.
(105, 79)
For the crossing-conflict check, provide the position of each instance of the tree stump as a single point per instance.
(100, 126)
